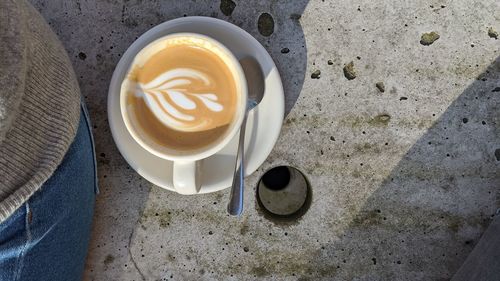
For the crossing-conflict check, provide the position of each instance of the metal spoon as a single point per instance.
(255, 84)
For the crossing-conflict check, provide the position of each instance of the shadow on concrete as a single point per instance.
(96, 34)
(429, 213)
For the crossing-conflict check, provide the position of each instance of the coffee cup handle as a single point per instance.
(187, 177)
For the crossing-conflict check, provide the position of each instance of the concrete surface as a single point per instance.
(404, 182)
(484, 261)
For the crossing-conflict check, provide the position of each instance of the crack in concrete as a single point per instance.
(129, 248)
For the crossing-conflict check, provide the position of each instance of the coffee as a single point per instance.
(182, 94)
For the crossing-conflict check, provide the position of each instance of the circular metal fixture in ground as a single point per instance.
(284, 194)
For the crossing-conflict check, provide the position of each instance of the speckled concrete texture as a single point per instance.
(404, 181)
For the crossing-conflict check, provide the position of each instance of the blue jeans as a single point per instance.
(47, 238)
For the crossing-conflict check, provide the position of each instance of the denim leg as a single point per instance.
(13, 241)
(49, 235)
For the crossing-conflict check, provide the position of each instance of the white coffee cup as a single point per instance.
(187, 172)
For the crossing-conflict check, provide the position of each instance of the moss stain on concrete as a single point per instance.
(381, 120)
(265, 24)
(259, 271)
(316, 74)
(428, 38)
(291, 265)
(162, 216)
(227, 7)
(380, 86)
(492, 33)
(401, 217)
(367, 148)
(289, 121)
(356, 173)
(165, 217)
(244, 229)
(371, 217)
(109, 259)
(349, 71)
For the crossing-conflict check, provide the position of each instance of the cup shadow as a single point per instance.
(428, 214)
(286, 45)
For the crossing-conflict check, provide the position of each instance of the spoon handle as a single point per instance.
(235, 206)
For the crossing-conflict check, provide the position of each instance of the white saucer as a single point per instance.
(264, 121)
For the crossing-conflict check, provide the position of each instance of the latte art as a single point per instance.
(181, 93)
(170, 99)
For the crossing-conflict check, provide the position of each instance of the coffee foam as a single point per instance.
(185, 85)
